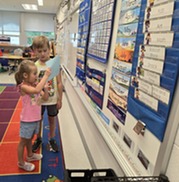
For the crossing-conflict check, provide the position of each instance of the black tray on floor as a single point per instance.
(86, 175)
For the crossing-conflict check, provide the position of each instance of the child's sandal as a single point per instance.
(27, 166)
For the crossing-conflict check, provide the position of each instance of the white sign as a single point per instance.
(151, 77)
(152, 65)
(159, 11)
(155, 2)
(145, 87)
(147, 99)
(161, 94)
(158, 25)
(160, 39)
(153, 52)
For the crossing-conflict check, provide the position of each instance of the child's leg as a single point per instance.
(52, 112)
(20, 150)
(29, 147)
(52, 126)
(30, 155)
(52, 143)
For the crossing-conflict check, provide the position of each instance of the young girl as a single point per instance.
(31, 94)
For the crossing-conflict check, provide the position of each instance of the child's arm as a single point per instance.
(34, 90)
(44, 93)
(60, 90)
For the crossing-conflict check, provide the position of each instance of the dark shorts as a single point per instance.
(51, 110)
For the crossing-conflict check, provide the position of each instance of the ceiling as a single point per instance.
(50, 6)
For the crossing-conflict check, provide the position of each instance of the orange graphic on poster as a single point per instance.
(123, 54)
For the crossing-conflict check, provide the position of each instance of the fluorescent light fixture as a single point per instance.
(40, 2)
(32, 7)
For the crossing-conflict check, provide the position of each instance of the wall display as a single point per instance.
(94, 87)
(156, 25)
(154, 75)
(116, 127)
(83, 35)
(101, 29)
(159, 11)
(145, 162)
(123, 56)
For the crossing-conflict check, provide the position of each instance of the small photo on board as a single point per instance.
(139, 127)
(115, 127)
(127, 140)
(145, 162)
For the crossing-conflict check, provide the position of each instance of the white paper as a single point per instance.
(159, 11)
(151, 77)
(54, 64)
(145, 87)
(157, 2)
(157, 25)
(160, 39)
(147, 99)
(161, 94)
(152, 65)
(154, 52)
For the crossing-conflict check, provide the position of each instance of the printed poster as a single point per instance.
(123, 56)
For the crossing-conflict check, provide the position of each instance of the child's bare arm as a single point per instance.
(60, 91)
(34, 90)
(44, 93)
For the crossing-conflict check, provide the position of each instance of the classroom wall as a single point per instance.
(147, 142)
(28, 22)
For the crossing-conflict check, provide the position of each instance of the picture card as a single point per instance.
(161, 94)
(155, 52)
(139, 127)
(159, 39)
(155, 2)
(150, 77)
(157, 25)
(145, 86)
(123, 67)
(159, 11)
(127, 140)
(146, 99)
(143, 159)
(151, 65)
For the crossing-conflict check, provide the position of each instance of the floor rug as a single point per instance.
(49, 169)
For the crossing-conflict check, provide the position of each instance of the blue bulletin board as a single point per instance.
(122, 60)
(101, 29)
(155, 65)
(83, 35)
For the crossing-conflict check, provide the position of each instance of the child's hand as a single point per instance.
(46, 86)
(48, 72)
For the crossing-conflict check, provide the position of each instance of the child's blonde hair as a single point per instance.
(40, 41)
(24, 67)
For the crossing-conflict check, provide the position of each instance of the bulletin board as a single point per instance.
(123, 58)
(101, 29)
(143, 75)
(141, 123)
(155, 68)
(83, 37)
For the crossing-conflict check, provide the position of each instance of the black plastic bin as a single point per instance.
(80, 175)
(161, 178)
(107, 175)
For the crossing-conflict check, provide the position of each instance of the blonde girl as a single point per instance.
(31, 94)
